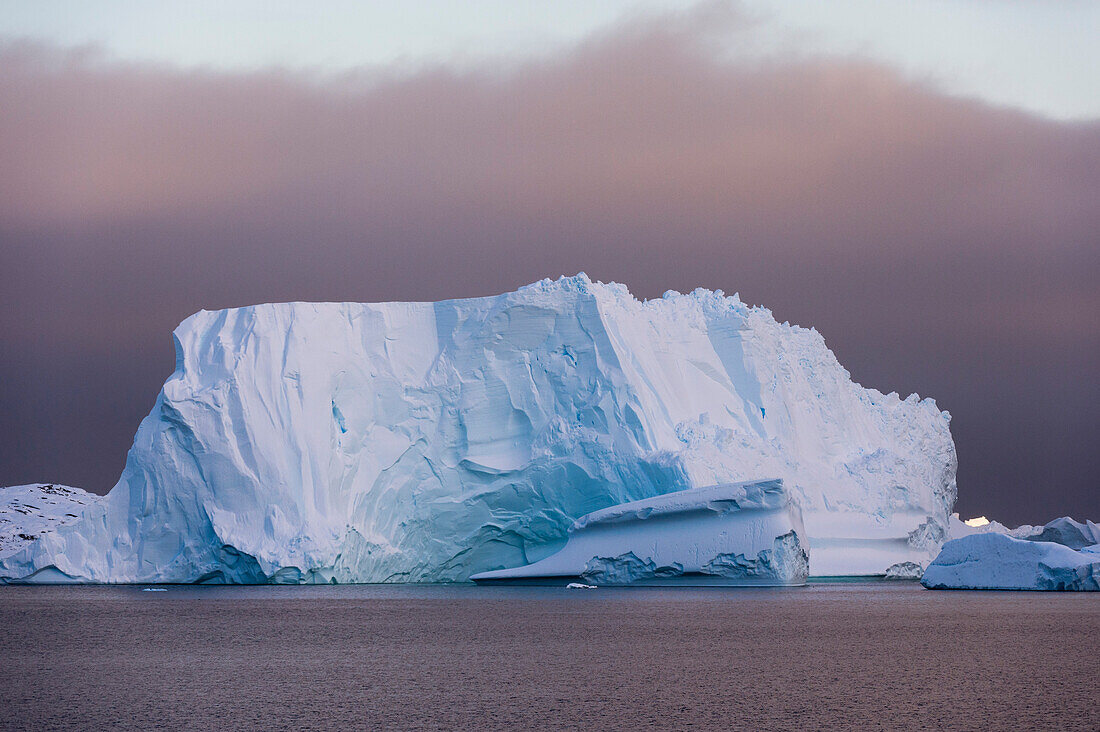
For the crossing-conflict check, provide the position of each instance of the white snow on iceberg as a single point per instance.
(996, 561)
(28, 512)
(736, 534)
(318, 442)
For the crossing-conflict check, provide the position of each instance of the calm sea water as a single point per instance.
(869, 656)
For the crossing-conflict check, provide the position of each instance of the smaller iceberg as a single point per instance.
(29, 512)
(904, 571)
(1067, 532)
(735, 534)
(995, 561)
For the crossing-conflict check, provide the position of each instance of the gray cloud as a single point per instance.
(941, 245)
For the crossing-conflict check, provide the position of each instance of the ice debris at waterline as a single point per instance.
(734, 534)
(994, 561)
(347, 442)
(28, 512)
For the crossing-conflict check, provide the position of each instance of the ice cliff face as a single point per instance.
(430, 441)
(28, 512)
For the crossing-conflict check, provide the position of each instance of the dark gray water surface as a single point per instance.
(870, 656)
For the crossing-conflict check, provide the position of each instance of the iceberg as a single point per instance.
(427, 442)
(1067, 532)
(995, 561)
(904, 571)
(737, 534)
(957, 528)
(28, 512)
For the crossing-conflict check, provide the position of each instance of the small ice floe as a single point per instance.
(579, 586)
(154, 589)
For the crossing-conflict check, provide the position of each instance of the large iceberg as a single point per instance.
(348, 442)
(737, 534)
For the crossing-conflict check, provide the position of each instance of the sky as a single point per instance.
(1039, 56)
(919, 181)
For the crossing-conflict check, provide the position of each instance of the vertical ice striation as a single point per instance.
(317, 442)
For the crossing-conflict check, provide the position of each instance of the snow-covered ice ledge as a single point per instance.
(737, 534)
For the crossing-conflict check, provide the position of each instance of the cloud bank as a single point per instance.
(941, 245)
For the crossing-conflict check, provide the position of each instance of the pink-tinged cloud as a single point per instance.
(941, 245)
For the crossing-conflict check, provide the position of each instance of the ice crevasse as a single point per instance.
(350, 442)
